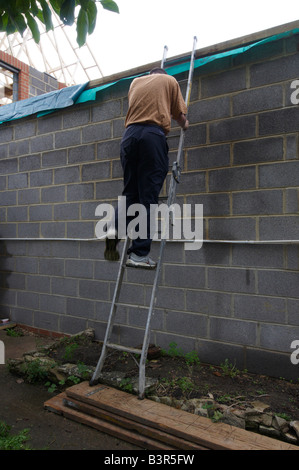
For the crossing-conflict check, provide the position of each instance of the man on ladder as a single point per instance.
(153, 100)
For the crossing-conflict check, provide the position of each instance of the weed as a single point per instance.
(14, 333)
(229, 369)
(69, 351)
(12, 442)
(192, 358)
(35, 371)
(126, 385)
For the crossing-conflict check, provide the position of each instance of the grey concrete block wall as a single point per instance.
(230, 299)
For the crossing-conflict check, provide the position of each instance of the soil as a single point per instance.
(183, 377)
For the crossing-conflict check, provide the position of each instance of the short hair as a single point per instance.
(157, 70)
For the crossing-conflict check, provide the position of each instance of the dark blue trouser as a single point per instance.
(144, 159)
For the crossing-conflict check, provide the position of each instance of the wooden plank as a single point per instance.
(147, 431)
(5, 325)
(56, 405)
(194, 428)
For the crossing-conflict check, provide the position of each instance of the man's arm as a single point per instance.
(183, 121)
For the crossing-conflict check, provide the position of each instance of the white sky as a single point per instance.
(138, 34)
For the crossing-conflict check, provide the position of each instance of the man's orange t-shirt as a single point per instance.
(155, 99)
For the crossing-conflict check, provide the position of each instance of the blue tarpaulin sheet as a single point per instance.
(49, 102)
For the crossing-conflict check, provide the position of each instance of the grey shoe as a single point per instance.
(111, 253)
(144, 262)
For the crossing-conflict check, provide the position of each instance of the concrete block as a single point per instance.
(96, 171)
(258, 150)
(9, 166)
(260, 99)
(42, 143)
(80, 307)
(27, 196)
(26, 265)
(51, 267)
(6, 133)
(41, 178)
(38, 283)
(81, 153)
(53, 229)
(278, 337)
(79, 268)
(80, 230)
(257, 202)
(54, 158)
(278, 283)
(72, 325)
(96, 132)
(233, 331)
(30, 162)
(209, 109)
(279, 228)
(51, 123)
(66, 211)
(67, 138)
(20, 147)
(46, 321)
(267, 256)
(279, 121)
(224, 82)
(106, 111)
(231, 129)
(64, 286)
(186, 324)
(94, 290)
(18, 181)
(234, 228)
(209, 303)
(17, 214)
(108, 149)
(277, 70)
(191, 277)
(231, 279)
(40, 212)
(260, 308)
(28, 230)
(80, 192)
(232, 179)
(53, 194)
(208, 157)
(25, 129)
(279, 175)
(77, 117)
(69, 174)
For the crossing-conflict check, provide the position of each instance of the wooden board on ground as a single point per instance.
(172, 421)
(5, 325)
(56, 405)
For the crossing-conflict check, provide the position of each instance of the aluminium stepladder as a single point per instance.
(171, 197)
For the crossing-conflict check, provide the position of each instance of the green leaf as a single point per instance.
(20, 23)
(33, 8)
(109, 5)
(67, 12)
(92, 16)
(56, 5)
(47, 15)
(82, 27)
(33, 27)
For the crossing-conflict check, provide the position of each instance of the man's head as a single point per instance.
(157, 70)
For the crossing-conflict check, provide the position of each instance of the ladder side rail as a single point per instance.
(112, 313)
(163, 242)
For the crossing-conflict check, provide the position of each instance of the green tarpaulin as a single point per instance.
(50, 102)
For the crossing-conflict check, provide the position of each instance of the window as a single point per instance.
(8, 84)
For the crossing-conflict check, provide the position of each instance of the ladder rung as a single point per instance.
(124, 348)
